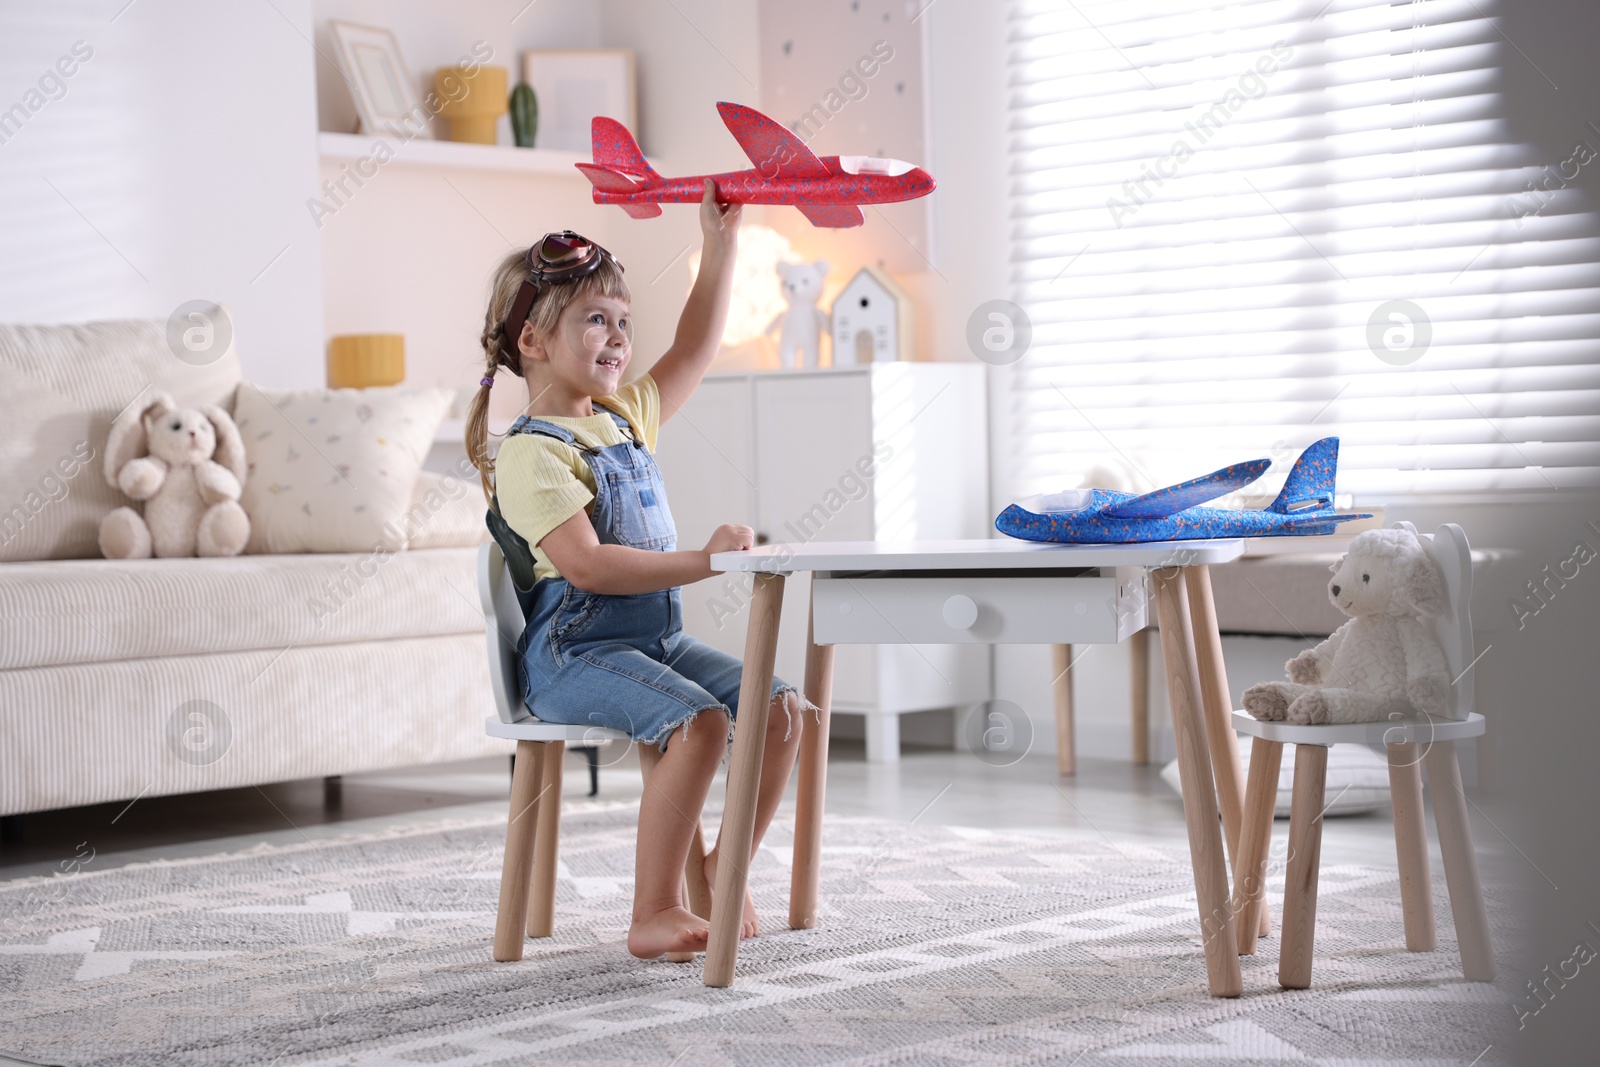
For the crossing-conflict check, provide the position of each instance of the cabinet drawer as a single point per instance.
(968, 610)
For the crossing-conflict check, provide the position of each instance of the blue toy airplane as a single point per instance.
(1104, 517)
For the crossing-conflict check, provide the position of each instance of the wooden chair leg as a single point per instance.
(1061, 671)
(1139, 654)
(736, 838)
(1255, 837)
(542, 899)
(1460, 862)
(811, 789)
(1206, 849)
(1305, 856)
(1411, 845)
(516, 870)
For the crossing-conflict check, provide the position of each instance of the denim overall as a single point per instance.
(620, 661)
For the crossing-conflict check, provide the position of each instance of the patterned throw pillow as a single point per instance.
(332, 470)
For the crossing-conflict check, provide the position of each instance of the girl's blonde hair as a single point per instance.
(498, 352)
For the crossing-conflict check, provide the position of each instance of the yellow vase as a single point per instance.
(471, 101)
(363, 360)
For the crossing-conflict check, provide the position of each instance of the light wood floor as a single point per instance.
(1106, 800)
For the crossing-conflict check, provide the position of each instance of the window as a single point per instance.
(1237, 229)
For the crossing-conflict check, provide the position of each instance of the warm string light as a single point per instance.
(757, 295)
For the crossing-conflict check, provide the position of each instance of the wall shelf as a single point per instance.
(423, 152)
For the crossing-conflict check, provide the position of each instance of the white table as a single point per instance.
(990, 591)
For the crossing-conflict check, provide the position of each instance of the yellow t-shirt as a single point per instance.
(542, 482)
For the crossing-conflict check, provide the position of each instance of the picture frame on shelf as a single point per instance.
(380, 83)
(573, 86)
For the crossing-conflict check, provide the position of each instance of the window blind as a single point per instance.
(1213, 209)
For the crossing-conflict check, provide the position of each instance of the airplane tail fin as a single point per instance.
(1310, 482)
(607, 180)
(614, 147)
(619, 166)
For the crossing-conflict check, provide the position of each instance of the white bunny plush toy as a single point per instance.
(188, 466)
(1385, 657)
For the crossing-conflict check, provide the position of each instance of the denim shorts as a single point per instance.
(622, 662)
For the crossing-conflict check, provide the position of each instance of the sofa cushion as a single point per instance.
(63, 386)
(446, 511)
(115, 731)
(1280, 594)
(90, 611)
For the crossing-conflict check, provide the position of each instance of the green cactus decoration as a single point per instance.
(524, 115)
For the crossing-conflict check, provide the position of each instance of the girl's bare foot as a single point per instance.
(671, 930)
(749, 926)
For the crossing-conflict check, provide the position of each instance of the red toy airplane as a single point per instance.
(827, 190)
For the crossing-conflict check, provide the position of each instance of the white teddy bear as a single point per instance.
(800, 328)
(1384, 657)
(190, 481)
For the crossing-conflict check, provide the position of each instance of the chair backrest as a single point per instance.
(1449, 549)
(503, 623)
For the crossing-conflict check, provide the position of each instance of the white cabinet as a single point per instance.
(886, 452)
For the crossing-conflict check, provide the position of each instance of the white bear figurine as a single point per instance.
(1384, 657)
(802, 326)
(190, 481)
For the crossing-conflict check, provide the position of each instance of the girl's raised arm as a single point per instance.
(679, 370)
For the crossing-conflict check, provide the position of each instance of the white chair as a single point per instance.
(1408, 743)
(533, 825)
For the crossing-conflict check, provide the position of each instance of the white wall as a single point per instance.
(412, 251)
(689, 54)
(172, 168)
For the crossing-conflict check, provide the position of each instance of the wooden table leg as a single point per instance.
(744, 780)
(1061, 672)
(1220, 738)
(1220, 735)
(811, 789)
(1139, 685)
(1199, 792)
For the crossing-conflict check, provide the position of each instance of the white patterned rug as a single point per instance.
(936, 945)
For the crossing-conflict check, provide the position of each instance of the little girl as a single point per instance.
(575, 478)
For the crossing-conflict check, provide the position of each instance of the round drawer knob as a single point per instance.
(844, 607)
(960, 612)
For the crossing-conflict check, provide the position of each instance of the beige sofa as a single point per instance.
(136, 678)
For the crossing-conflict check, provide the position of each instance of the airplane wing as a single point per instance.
(1175, 498)
(837, 216)
(776, 152)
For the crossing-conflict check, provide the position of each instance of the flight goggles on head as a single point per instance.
(556, 258)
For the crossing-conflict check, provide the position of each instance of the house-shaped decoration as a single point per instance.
(871, 320)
